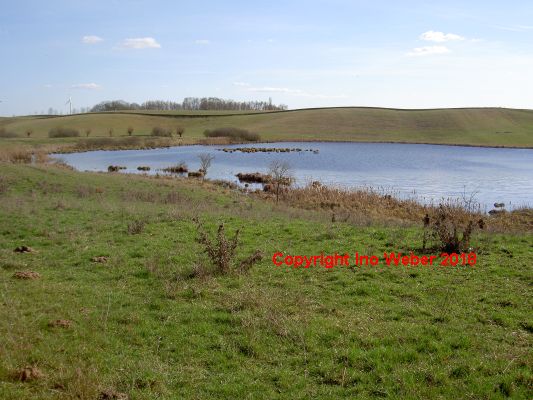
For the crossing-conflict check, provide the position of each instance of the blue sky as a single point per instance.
(407, 54)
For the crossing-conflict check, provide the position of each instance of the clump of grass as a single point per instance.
(136, 226)
(60, 132)
(16, 154)
(233, 133)
(159, 131)
(222, 251)
(5, 134)
(180, 168)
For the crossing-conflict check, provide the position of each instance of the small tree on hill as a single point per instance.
(130, 130)
(110, 131)
(180, 130)
(29, 132)
(88, 132)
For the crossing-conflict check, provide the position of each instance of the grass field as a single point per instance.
(473, 126)
(142, 325)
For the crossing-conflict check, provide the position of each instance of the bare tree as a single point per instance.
(281, 175)
(205, 162)
(130, 130)
(29, 132)
(180, 130)
(88, 132)
(110, 131)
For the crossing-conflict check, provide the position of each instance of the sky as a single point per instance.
(403, 54)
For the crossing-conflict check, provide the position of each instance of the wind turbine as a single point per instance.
(69, 102)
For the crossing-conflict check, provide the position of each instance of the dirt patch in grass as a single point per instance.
(110, 394)
(26, 275)
(28, 373)
(60, 323)
(24, 249)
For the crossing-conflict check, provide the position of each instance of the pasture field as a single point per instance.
(146, 324)
(469, 126)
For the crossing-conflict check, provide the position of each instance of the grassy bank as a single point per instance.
(145, 324)
(469, 126)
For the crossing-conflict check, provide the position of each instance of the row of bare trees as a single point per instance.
(189, 103)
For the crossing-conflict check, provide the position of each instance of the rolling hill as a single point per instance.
(465, 126)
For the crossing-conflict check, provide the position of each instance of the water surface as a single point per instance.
(428, 172)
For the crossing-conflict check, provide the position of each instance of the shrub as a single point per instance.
(180, 130)
(222, 251)
(130, 130)
(180, 168)
(63, 132)
(233, 133)
(452, 225)
(159, 131)
(29, 132)
(7, 134)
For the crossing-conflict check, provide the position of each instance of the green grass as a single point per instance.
(140, 326)
(468, 126)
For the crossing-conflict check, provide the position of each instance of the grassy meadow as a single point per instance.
(144, 323)
(468, 126)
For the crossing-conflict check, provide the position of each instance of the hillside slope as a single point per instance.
(470, 126)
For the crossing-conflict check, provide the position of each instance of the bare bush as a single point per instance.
(452, 224)
(280, 171)
(60, 132)
(5, 134)
(205, 162)
(29, 132)
(130, 130)
(159, 131)
(222, 251)
(233, 133)
(180, 130)
(88, 132)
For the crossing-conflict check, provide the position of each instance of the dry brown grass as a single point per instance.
(363, 202)
(20, 154)
(367, 206)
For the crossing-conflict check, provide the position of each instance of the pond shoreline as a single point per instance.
(67, 149)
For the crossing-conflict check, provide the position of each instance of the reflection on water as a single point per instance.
(429, 172)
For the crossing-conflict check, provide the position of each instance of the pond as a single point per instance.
(425, 172)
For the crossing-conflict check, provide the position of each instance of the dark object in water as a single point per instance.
(115, 168)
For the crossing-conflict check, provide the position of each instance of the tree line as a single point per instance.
(190, 103)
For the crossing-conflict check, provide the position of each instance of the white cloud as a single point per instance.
(202, 41)
(241, 84)
(91, 39)
(428, 51)
(440, 37)
(140, 43)
(91, 86)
